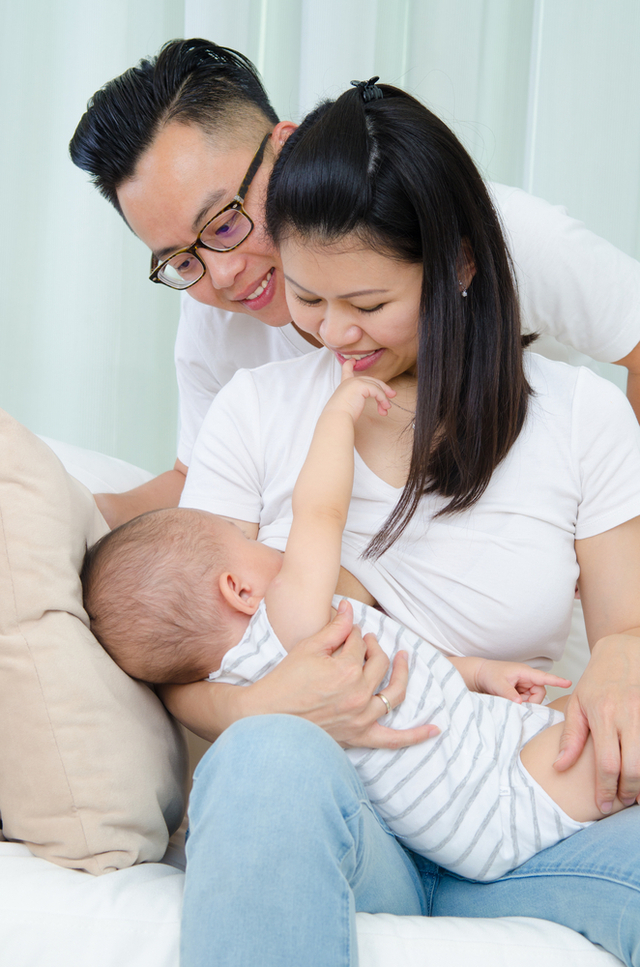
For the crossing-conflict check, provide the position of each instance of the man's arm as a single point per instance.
(572, 284)
(299, 599)
(162, 491)
(632, 362)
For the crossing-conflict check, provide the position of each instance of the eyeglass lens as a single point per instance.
(224, 232)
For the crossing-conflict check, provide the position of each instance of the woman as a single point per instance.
(476, 506)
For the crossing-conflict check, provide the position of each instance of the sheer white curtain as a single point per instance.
(544, 93)
(85, 340)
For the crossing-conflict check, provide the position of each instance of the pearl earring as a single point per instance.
(464, 291)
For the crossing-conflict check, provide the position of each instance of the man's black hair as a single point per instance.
(193, 81)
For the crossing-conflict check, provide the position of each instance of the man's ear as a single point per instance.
(238, 594)
(282, 131)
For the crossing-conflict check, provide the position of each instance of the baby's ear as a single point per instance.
(237, 593)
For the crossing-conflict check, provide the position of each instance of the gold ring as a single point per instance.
(386, 702)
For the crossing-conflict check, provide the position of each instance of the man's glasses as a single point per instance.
(222, 233)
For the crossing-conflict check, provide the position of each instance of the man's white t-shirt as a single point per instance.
(495, 581)
(211, 346)
(573, 286)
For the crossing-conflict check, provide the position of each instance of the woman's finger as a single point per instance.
(396, 688)
(608, 762)
(375, 663)
(334, 634)
(628, 731)
(574, 735)
(380, 737)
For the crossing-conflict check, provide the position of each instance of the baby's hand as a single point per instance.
(353, 391)
(515, 681)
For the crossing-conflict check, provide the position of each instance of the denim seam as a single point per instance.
(593, 875)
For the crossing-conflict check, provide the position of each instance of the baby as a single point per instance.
(182, 595)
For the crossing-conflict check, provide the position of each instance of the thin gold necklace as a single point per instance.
(412, 412)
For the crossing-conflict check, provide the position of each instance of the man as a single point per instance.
(183, 146)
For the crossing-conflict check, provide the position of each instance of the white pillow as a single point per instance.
(99, 473)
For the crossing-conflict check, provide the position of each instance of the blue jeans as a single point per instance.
(284, 847)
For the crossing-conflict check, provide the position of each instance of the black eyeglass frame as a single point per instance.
(237, 204)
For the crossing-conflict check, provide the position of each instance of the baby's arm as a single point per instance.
(299, 599)
(509, 679)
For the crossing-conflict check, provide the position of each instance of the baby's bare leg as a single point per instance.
(573, 790)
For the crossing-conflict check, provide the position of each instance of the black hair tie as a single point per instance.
(368, 89)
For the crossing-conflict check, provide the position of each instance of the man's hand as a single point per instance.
(160, 492)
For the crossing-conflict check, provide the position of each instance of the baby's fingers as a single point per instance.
(534, 694)
(377, 390)
(546, 678)
(347, 369)
(532, 686)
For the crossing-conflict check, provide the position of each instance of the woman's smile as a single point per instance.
(362, 361)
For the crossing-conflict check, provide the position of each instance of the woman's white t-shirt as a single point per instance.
(497, 580)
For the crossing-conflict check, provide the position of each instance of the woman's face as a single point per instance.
(359, 303)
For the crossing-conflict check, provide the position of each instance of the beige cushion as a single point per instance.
(92, 768)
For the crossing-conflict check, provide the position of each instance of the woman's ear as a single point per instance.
(238, 594)
(282, 131)
(466, 265)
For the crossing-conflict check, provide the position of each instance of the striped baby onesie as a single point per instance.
(462, 799)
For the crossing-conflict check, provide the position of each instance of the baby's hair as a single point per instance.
(150, 590)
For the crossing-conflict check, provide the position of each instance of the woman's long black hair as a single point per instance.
(390, 172)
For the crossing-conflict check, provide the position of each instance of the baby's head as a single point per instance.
(170, 592)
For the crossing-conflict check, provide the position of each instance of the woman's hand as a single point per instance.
(514, 680)
(331, 678)
(606, 701)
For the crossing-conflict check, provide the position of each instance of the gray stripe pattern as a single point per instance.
(463, 799)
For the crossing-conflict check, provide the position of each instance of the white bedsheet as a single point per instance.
(54, 917)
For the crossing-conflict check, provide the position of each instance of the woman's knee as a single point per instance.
(263, 755)
(268, 738)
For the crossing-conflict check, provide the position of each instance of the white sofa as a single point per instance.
(51, 916)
